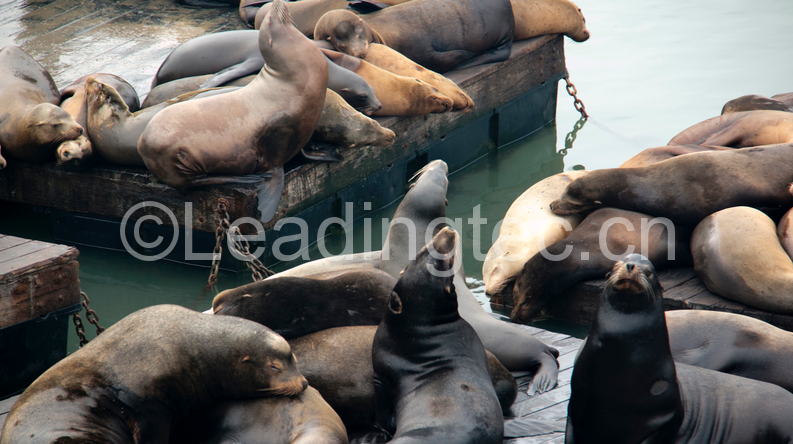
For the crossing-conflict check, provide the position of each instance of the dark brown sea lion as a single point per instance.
(626, 388)
(431, 377)
(260, 128)
(32, 126)
(590, 251)
(753, 102)
(539, 17)
(740, 130)
(302, 419)
(399, 95)
(73, 95)
(732, 343)
(348, 384)
(150, 368)
(294, 306)
(661, 153)
(688, 188)
(444, 33)
(737, 254)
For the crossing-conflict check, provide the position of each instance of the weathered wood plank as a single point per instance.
(7, 242)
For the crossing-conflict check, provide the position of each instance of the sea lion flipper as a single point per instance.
(270, 193)
(497, 54)
(365, 6)
(248, 67)
(524, 427)
(321, 152)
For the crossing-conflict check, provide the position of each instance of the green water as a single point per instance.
(650, 70)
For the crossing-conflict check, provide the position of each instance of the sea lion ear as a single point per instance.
(608, 275)
(394, 303)
(245, 358)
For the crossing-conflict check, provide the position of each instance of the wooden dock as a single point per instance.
(39, 288)
(131, 38)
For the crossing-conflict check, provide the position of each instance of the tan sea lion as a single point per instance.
(740, 130)
(73, 95)
(539, 17)
(305, 13)
(399, 95)
(754, 102)
(784, 231)
(444, 34)
(655, 155)
(150, 368)
(32, 126)
(738, 256)
(260, 128)
(528, 219)
(77, 154)
(392, 61)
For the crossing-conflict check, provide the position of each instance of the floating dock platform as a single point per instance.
(131, 38)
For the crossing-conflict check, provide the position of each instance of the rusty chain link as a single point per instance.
(571, 136)
(90, 316)
(241, 245)
(78, 325)
(577, 103)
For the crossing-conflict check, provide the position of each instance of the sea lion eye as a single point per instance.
(275, 369)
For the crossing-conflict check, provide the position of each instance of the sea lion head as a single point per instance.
(753, 102)
(362, 98)
(277, 36)
(75, 154)
(103, 101)
(237, 300)
(347, 32)
(632, 285)
(578, 31)
(50, 125)
(574, 200)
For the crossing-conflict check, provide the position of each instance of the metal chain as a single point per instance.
(577, 103)
(220, 233)
(571, 136)
(90, 316)
(78, 325)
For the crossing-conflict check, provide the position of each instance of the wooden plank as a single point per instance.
(13, 254)
(40, 255)
(7, 242)
(37, 294)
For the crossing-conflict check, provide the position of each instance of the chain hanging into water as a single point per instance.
(577, 103)
(90, 315)
(224, 228)
(571, 136)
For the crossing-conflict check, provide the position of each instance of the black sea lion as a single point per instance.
(589, 253)
(32, 126)
(295, 306)
(431, 376)
(444, 33)
(737, 254)
(260, 128)
(626, 388)
(688, 188)
(338, 363)
(753, 102)
(740, 130)
(539, 17)
(661, 153)
(732, 343)
(302, 419)
(152, 367)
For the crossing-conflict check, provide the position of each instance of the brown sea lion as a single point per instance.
(342, 125)
(150, 368)
(539, 17)
(32, 126)
(73, 95)
(302, 419)
(392, 61)
(399, 95)
(688, 188)
(753, 102)
(740, 130)
(260, 128)
(738, 256)
(77, 154)
(444, 33)
(786, 98)
(626, 387)
(590, 251)
(306, 13)
(784, 231)
(661, 153)
(348, 385)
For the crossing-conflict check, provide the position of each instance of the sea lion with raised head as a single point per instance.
(150, 368)
(539, 17)
(260, 128)
(738, 256)
(740, 130)
(686, 189)
(305, 13)
(32, 125)
(589, 252)
(626, 387)
(661, 153)
(445, 34)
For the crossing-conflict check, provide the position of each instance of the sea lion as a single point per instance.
(732, 343)
(589, 252)
(626, 388)
(784, 231)
(688, 188)
(353, 261)
(737, 254)
(421, 215)
(297, 306)
(528, 219)
(661, 153)
(786, 98)
(75, 155)
(539, 17)
(153, 366)
(399, 95)
(262, 126)
(392, 61)
(305, 13)
(175, 88)
(32, 125)
(753, 102)
(445, 34)
(302, 419)
(348, 384)
(740, 130)
(342, 125)
(73, 95)
(431, 376)
(228, 57)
